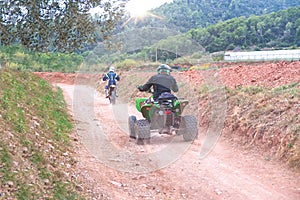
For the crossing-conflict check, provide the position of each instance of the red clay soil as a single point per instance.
(226, 173)
(67, 78)
(258, 74)
(233, 74)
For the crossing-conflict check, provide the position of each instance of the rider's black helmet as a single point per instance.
(164, 68)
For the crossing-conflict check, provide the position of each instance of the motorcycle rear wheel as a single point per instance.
(112, 98)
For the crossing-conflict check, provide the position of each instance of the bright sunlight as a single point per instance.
(140, 8)
(137, 8)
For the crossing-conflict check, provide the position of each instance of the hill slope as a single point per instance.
(35, 149)
(192, 14)
(188, 14)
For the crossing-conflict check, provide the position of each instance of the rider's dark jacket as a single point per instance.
(111, 77)
(161, 83)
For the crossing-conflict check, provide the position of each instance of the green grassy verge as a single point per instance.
(35, 150)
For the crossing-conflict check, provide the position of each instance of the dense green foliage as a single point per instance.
(63, 26)
(35, 147)
(275, 30)
(17, 57)
(188, 14)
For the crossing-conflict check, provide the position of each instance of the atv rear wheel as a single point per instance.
(131, 125)
(189, 127)
(142, 130)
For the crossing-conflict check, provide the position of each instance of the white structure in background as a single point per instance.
(262, 55)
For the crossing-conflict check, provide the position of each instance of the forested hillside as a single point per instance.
(188, 14)
(275, 30)
(174, 30)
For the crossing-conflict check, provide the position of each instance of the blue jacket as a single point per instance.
(111, 77)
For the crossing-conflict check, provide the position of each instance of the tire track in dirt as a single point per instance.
(226, 173)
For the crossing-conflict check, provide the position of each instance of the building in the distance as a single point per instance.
(262, 55)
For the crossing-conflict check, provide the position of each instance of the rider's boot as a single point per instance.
(165, 130)
(106, 93)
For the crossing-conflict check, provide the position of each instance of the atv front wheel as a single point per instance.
(189, 127)
(131, 125)
(142, 130)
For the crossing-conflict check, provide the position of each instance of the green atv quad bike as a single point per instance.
(164, 115)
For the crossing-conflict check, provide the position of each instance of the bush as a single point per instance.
(16, 57)
(127, 64)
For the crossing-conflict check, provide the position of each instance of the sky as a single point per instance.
(139, 6)
(149, 3)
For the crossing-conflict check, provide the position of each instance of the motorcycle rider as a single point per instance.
(161, 82)
(111, 77)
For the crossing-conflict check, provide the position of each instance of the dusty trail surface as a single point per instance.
(114, 167)
(129, 173)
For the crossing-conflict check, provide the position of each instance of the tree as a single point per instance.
(56, 25)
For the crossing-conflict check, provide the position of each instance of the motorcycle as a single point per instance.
(163, 115)
(112, 94)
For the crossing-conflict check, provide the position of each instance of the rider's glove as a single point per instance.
(140, 88)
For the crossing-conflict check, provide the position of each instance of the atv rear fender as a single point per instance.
(139, 102)
(181, 104)
(144, 108)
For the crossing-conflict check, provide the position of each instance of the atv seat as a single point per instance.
(167, 98)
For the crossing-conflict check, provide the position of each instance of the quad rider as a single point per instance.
(111, 77)
(161, 82)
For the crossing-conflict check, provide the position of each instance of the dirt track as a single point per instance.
(114, 167)
(226, 173)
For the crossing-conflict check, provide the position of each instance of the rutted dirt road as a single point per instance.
(112, 166)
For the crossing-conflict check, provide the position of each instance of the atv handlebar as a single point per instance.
(149, 91)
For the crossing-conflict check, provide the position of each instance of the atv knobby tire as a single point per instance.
(142, 130)
(189, 127)
(131, 125)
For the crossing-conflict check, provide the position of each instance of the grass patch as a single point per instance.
(25, 192)
(35, 128)
(5, 165)
(63, 192)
